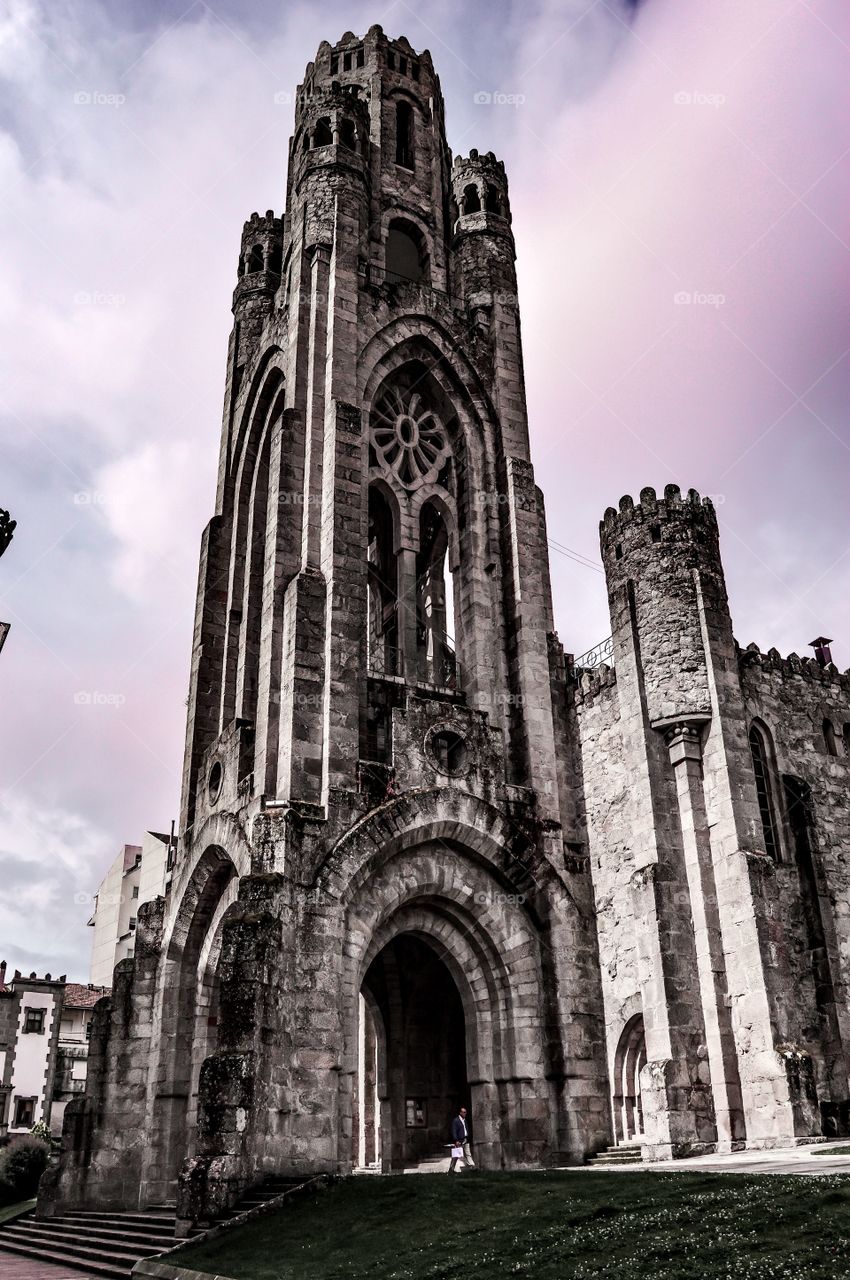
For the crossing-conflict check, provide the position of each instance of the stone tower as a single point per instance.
(724, 1015)
(380, 908)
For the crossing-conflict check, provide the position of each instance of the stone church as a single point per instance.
(425, 857)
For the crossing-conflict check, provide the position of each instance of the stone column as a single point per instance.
(720, 1067)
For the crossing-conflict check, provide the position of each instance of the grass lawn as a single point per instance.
(549, 1226)
(831, 1151)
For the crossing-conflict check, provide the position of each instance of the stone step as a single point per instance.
(133, 1215)
(617, 1155)
(68, 1262)
(102, 1231)
(97, 1242)
(81, 1246)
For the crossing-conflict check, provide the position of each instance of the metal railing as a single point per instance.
(595, 657)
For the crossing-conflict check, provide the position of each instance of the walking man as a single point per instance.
(461, 1149)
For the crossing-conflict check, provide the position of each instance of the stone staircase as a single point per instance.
(615, 1157)
(99, 1244)
(110, 1244)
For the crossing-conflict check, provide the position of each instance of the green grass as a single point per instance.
(830, 1151)
(547, 1226)
(15, 1210)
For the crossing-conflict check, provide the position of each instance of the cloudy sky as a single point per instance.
(679, 175)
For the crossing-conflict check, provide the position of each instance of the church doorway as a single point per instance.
(628, 1064)
(411, 1075)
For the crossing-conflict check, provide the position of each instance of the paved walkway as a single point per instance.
(781, 1160)
(15, 1267)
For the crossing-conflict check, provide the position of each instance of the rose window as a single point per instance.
(408, 438)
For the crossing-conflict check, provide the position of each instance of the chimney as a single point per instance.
(2, 973)
(822, 650)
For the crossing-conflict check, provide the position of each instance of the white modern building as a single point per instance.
(138, 874)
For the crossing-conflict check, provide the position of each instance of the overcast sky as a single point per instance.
(678, 149)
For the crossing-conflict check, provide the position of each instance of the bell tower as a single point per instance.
(378, 533)
(380, 908)
(374, 640)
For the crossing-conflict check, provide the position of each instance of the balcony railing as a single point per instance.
(602, 653)
(440, 671)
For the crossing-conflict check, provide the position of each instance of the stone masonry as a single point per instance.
(426, 858)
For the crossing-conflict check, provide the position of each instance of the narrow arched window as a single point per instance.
(322, 135)
(471, 199)
(404, 255)
(759, 748)
(255, 261)
(492, 203)
(846, 739)
(348, 134)
(829, 737)
(404, 135)
(436, 657)
(384, 655)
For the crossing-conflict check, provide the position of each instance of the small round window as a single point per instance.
(448, 751)
(215, 781)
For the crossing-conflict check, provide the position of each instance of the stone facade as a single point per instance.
(424, 859)
(715, 807)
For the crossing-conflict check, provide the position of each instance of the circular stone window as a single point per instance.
(215, 781)
(449, 751)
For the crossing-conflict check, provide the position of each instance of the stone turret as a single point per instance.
(662, 561)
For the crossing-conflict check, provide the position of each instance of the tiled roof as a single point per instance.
(78, 996)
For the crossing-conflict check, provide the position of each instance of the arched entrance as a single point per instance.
(629, 1061)
(412, 1056)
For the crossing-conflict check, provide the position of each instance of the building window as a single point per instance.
(24, 1113)
(88, 1029)
(135, 891)
(829, 737)
(132, 922)
(405, 256)
(34, 1021)
(323, 135)
(761, 768)
(471, 199)
(404, 135)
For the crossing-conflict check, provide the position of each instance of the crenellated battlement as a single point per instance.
(793, 666)
(480, 187)
(658, 519)
(262, 244)
(592, 685)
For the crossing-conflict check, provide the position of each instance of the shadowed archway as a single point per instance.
(412, 1056)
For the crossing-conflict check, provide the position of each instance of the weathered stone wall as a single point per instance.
(794, 700)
